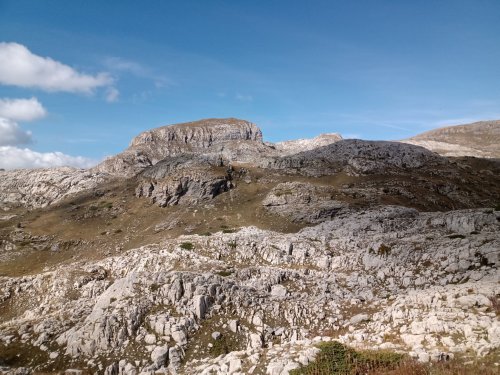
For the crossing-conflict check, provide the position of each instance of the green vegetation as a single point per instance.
(336, 358)
(228, 230)
(453, 236)
(220, 347)
(186, 246)
(154, 287)
(225, 273)
(279, 193)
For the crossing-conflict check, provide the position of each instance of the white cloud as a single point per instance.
(244, 98)
(22, 109)
(20, 67)
(12, 134)
(112, 95)
(118, 64)
(15, 157)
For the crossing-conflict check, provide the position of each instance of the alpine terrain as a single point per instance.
(203, 249)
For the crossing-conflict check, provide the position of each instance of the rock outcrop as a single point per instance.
(41, 187)
(480, 139)
(303, 202)
(185, 179)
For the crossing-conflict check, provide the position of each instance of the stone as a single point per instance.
(159, 356)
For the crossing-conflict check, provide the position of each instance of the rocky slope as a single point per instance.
(357, 157)
(480, 139)
(388, 278)
(41, 187)
(203, 250)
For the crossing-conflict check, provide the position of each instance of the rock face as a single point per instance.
(216, 136)
(183, 180)
(41, 187)
(480, 139)
(301, 145)
(303, 202)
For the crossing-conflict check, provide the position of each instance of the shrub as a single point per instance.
(225, 273)
(384, 250)
(219, 347)
(453, 236)
(187, 246)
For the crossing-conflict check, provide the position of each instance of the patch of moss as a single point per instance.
(225, 273)
(186, 246)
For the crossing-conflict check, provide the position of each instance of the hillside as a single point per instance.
(203, 249)
(479, 139)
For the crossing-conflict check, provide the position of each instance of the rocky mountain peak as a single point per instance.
(202, 133)
(203, 136)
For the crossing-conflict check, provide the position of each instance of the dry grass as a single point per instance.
(495, 304)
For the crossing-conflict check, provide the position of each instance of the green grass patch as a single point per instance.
(186, 246)
(220, 347)
(335, 358)
(225, 273)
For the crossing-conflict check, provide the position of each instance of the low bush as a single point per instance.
(186, 246)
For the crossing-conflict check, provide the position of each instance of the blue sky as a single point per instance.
(370, 69)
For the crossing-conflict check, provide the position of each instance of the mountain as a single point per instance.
(221, 137)
(480, 139)
(201, 249)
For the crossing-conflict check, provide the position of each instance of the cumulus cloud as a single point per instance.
(14, 157)
(22, 109)
(20, 67)
(12, 134)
